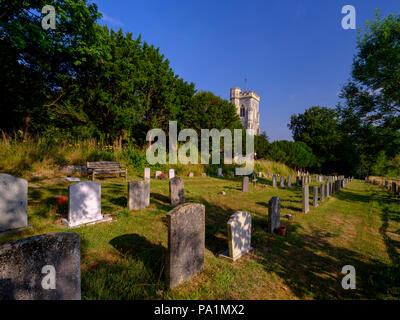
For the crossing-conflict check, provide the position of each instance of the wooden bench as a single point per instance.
(106, 168)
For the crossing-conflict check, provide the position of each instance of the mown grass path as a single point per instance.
(358, 226)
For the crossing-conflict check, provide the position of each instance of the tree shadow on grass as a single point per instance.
(311, 267)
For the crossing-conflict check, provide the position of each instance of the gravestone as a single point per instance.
(84, 204)
(306, 204)
(147, 173)
(309, 180)
(45, 267)
(204, 174)
(282, 181)
(322, 191)
(274, 183)
(219, 172)
(327, 189)
(394, 187)
(260, 175)
(158, 173)
(186, 243)
(171, 173)
(176, 191)
(245, 184)
(289, 181)
(315, 198)
(138, 195)
(274, 214)
(191, 175)
(239, 236)
(13, 203)
(298, 181)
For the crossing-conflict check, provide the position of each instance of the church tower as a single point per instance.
(247, 105)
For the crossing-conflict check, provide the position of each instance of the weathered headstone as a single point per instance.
(289, 181)
(138, 195)
(315, 198)
(186, 243)
(13, 203)
(204, 174)
(306, 204)
(219, 172)
(239, 236)
(176, 191)
(322, 191)
(245, 184)
(274, 183)
(309, 180)
(158, 173)
(260, 174)
(171, 173)
(191, 174)
(45, 267)
(84, 204)
(282, 182)
(274, 214)
(147, 173)
(327, 189)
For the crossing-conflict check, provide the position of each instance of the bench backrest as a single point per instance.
(103, 165)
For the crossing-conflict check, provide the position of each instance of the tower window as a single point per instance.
(242, 111)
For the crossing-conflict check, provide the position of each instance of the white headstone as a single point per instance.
(219, 172)
(84, 203)
(158, 173)
(13, 203)
(171, 173)
(147, 173)
(239, 236)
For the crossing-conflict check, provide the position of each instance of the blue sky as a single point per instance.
(295, 54)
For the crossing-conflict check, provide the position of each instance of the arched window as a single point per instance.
(242, 112)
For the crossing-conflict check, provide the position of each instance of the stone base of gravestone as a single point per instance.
(186, 243)
(239, 236)
(138, 195)
(45, 267)
(13, 203)
(176, 191)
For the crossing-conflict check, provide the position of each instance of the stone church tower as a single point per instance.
(248, 108)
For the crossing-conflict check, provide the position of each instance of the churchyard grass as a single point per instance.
(125, 259)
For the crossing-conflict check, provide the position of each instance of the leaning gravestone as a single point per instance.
(13, 203)
(186, 242)
(84, 204)
(147, 173)
(274, 214)
(138, 195)
(176, 191)
(245, 184)
(315, 198)
(239, 236)
(306, 204)
(171, 173)
(45, 267)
